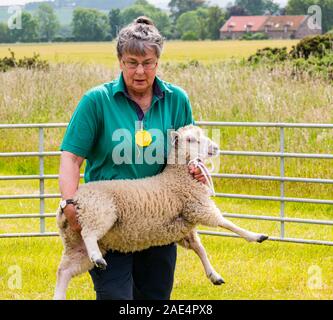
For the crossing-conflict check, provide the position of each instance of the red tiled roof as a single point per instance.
(277, 23)
(258, 23)
(239, 23)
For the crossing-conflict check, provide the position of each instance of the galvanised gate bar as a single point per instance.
(282, 155)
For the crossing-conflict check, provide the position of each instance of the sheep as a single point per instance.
(132, 215)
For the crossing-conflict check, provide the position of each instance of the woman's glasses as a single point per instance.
(145, 65)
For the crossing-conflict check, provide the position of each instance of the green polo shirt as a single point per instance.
(103, 127)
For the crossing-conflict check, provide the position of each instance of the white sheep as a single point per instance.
(132, 215)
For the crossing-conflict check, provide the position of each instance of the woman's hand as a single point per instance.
(70, 214)
(69, 178)
(196, 172)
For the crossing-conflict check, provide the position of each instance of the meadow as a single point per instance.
(206, 52)
(220, 89)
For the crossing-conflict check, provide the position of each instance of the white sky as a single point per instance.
(16, 2)
(162, 3)
(221, 3)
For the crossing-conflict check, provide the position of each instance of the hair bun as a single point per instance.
(144, 20)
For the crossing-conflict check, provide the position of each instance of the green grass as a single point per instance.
(270, 270)
(220, 90)
(252, 271)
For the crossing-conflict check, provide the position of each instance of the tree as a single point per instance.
(258, 7)
(102, 4)
(142, 7)
(215, 20)
(143, 3)
(282, 11)
(188, 23)
(327, 11)
(29, 31)
(301, 7)
(271, 7)
(115, 21)
(201, 23)
(162, 22)
(202, 14)
(236, 11)
(90, 25)
(178, 7)
(48, 22)
(190, 36)
(4, 33)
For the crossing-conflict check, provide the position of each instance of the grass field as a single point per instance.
(267, 271)
(219, 89)
(207, 52)
(252, 271)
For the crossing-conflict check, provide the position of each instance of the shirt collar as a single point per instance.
(159, 88)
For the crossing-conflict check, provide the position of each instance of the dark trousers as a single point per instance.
(142, 275)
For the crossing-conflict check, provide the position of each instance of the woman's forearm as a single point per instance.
(69, 174)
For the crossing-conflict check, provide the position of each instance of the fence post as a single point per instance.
(282, 175)
(41, 181)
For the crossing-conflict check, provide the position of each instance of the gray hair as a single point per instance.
(139, 36)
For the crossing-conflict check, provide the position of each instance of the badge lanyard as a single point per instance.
(142, 138)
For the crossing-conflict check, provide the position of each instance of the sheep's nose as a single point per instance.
(214, 149)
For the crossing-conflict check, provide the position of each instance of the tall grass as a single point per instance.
(226, 91)
(222, 92)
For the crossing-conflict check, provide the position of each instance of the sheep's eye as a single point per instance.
(191, 139)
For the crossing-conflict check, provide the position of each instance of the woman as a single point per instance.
(136, 102)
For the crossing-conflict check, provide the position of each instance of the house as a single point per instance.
(236, 26)
(276, 27)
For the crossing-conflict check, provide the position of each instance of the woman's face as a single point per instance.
(139, 71)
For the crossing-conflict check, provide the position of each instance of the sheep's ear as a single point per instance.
(174, 135)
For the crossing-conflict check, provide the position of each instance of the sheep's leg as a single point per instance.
(214, 218)
(95, 225)
(248, 235)
(192, 241)
(73, 263)
(94, 252)
(64, 275)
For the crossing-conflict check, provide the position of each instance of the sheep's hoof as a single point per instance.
(101, 264)
(216, 279)
(262, 238)
(218, 282)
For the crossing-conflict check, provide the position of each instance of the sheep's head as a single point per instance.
(190, 143)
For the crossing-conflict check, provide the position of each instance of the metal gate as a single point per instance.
(282, 199)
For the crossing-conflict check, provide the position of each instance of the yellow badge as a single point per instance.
(143, 138)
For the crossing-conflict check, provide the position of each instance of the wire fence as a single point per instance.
(282, 179)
